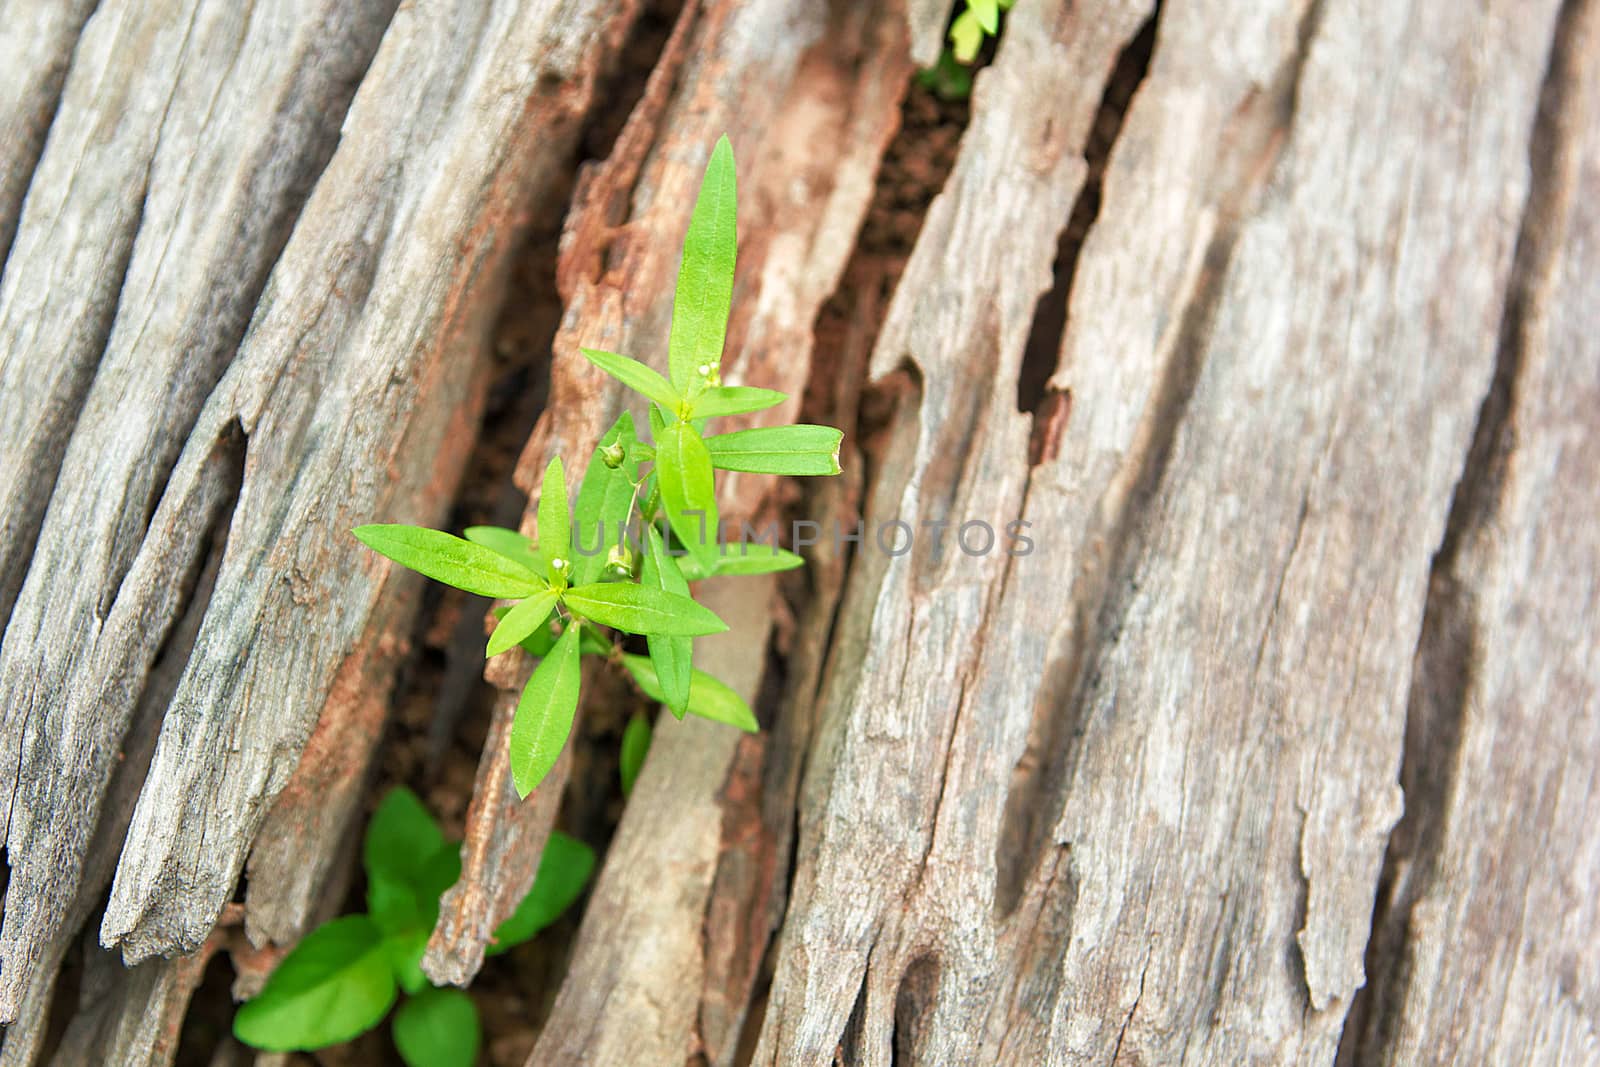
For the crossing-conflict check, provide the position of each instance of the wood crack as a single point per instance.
(1449, 649)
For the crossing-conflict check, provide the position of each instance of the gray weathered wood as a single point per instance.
(230, 145)
(1225, 592)
(424, 207)
(1491, 954)
(1311, 495)
(36, 39)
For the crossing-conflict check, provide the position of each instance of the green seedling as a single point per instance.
(345, 976)
(587, 574)
(951, 76)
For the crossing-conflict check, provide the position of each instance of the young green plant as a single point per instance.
(345, 976)
(650, 504)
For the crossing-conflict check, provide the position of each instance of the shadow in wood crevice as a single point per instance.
(914, 1004)
(879, 420)
(1051, 311)
(1449, 648)
(1252, 145)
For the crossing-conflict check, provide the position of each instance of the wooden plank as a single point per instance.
(36, 41)
(1197, 877)
(1486, 951)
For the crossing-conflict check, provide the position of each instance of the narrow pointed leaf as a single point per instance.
(756, 559)
(708, 698)
(966, 36)
(564, 869)
(636, 376)
(742, 558)
(525, 618)
(705, 278)
(337, 983)
(604, 501)
(987, 13)
(688, 490)
(671, 655)
(638, 610)
(799, 449)
(450, 560)
(635, 747)
(544, 714)
(438, 1028)
(509, 543)
(555, 528)
(734, 400)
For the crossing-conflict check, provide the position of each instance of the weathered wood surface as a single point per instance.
(1311, 494)
(350, 397)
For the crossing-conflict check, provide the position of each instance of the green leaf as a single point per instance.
(564, 869)
(636, 376)
(605, 499)
(722, 400)
(544, 714)
(409, 864)
(525, 619)
(705, 278)
(688, 489)
(438, 1028)
(401, 839)
(336, 984)
(555, 528)
(638, 610)
(509, 543)
(987, 13)
(708, 698)
(450, 560)
(635, 746)
(404, 949)
(799, 449)
(743, 558)
(966, 36)
(671, 655)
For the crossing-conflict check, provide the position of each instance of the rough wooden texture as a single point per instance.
(227, 147)
(836, 85)
(355, 365)
(1235, 589)
(36, 39)
(1485, 949)
(1310, 493)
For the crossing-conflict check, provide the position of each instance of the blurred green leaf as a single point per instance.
(723, 400)
(635, 746)
(509, 543)
(336, 984)
(438, 1028)
(564, 869)
(605, 500)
